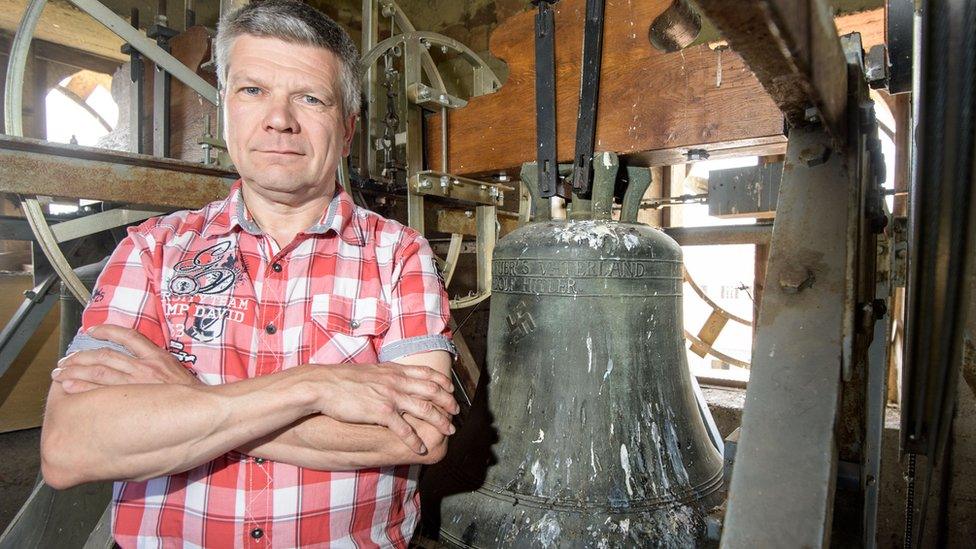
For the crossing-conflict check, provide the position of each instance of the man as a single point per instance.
(270, 370)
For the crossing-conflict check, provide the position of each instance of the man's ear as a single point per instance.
(349, 125)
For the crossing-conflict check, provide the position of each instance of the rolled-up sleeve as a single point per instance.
(125, 294)
(420, 312)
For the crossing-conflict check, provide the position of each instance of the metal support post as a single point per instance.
(415, 137)
(136, 91)
(161, 85)
(370, 34)
(785, 473)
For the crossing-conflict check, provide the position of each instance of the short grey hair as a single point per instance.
(298, 23)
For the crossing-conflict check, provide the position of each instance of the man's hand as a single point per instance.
(87, 370)
(382, 393)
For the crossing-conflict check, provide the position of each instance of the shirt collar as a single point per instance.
(339, 217)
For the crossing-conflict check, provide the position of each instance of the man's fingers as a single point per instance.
(430, 374)
(74, 386)
(139, 344)
(430, 390)
(402, 429)
(98, 374)
(427, 411)
(104, 356)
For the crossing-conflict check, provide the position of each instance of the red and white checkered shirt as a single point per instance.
(221, 296)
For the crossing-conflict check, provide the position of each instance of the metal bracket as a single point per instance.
(463, 189)
(421, 94)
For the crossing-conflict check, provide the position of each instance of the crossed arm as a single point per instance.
(111, 416)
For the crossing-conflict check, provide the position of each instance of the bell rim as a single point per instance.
(689, 496)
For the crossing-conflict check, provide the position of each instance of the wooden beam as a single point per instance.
(66, 25)
(793, 48)
(666, 103)
(451, 220)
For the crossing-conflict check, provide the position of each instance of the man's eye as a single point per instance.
(311, 100)
(251, 90)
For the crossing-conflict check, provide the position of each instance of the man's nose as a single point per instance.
(280, 117)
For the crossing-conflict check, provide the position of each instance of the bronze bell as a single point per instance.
(587, 432)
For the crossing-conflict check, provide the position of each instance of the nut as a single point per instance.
(793, 280)
(815, 155)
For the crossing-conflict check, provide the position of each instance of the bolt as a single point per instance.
(425, 184)
(793, 280)
(468, 213)
(815, 155)
(30, 294)
(880, 308)
(812, 114)
(445, 182)
(694, 155)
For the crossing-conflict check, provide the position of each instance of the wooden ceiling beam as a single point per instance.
(794, 50)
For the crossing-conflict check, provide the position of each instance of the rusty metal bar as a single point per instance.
(793, 48)
(36, 167)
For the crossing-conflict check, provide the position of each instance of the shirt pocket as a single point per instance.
(346, 330)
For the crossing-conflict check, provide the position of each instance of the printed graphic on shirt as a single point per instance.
(199, 293)
(176, 349)
(203, 317)
(437, 269)
(205, 273)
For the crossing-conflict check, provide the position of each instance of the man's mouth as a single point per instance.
(282, 151)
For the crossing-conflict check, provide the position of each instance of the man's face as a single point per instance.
(284, 124)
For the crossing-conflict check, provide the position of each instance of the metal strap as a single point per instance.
(589, 92)
(545, 98)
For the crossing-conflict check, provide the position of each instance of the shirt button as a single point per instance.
(270, 328)
(353, 324)
(259, 461)
(257, 533)
(276, 267)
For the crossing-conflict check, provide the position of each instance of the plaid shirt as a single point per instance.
(231, 305)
